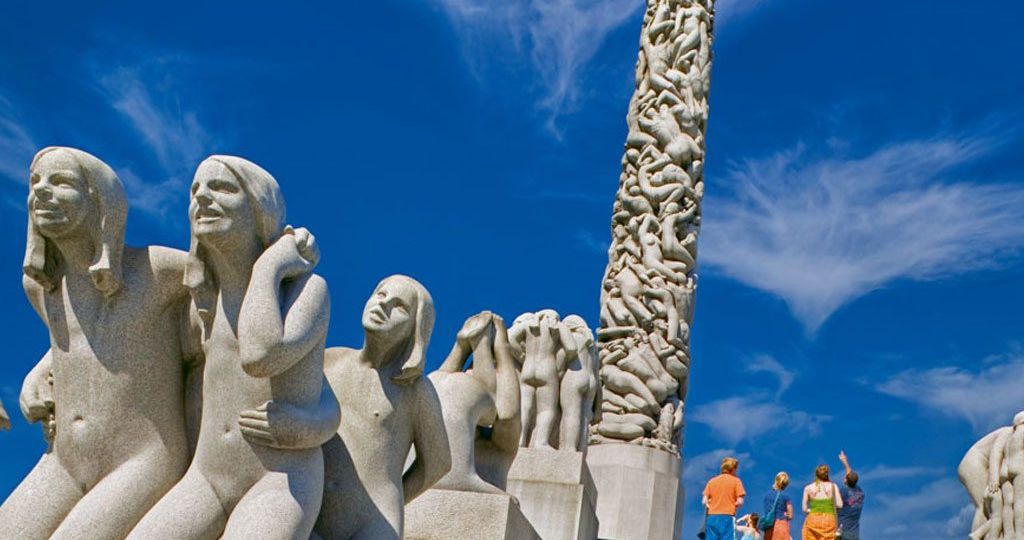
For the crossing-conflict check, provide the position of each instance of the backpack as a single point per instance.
(768, 520)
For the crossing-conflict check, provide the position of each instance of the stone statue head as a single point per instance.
(579, 327)
(401, 310)
(231, 198)
(1018, 420)
(73, 192)
(549, 314)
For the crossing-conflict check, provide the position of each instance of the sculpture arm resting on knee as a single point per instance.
(273, 336)
(433, 455)
(36, 399)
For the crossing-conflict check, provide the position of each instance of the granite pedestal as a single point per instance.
(641, 496)
(441, 514)
(555, 492)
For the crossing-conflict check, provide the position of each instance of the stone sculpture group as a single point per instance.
(191, 394)
(648, 295)
(993, 473)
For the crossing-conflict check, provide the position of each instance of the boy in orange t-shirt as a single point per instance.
(723, 494)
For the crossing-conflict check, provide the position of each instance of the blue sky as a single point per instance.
(864, 215)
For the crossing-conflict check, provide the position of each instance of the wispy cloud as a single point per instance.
(822, 232)
(744, 418)
(591, 242)
(888, 473)
(171, 131)
(148, 99)
(937, 510)
(765, 363)
(748, 416)
(730, 10)
(557, 37)
(16, 145)
(986, 397)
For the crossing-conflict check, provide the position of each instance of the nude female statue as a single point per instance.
(545, 347)
(388, 407)
(579, 389)
(262, 315)
(113, 320)
(480, 406)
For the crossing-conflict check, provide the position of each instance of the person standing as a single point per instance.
(782, 504)
(723, 494)
(853, 503)
(820, 501)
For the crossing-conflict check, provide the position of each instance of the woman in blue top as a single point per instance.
(783, 505)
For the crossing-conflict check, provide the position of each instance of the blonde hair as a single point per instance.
(107, 194)
(821, 473)
(730, 464)
(781, 480)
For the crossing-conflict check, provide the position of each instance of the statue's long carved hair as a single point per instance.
(414, 357)
(107, 195)
(267, 202)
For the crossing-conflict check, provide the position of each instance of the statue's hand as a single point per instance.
(284, 257)
(255, 425)
(474, 326)
(306, 244)
(36, 399)
(992, 491)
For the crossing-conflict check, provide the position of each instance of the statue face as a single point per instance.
(59, 200)
(391, 309)
(219, 209)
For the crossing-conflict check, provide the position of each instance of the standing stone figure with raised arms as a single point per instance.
(115, 358)
(388, 407)
(263, 318)
(580, 389)
(480, 406)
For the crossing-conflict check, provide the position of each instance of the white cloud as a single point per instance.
(749, 416)
(145, 96)
(986, 397)
(821, 232)
(887, 473)
(935, 510)
(764, 363)
(743, 418)
(16, 145)
(557, 37)
(730, 10)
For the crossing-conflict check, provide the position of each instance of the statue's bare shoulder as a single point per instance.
(168, 264)
(336, 360)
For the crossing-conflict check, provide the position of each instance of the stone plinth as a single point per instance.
(555, 492)
(641, 497)
(440, 514)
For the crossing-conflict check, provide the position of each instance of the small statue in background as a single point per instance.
(579, 395)
(544, 347)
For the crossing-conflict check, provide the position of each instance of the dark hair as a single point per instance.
(821, 473)
(851, 479)
(754, 518)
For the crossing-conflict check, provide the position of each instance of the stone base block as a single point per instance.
(641, 497)
(440, 514)
(555, 492)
